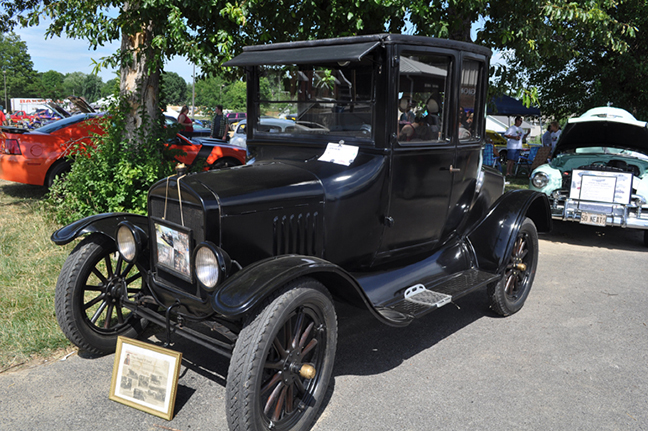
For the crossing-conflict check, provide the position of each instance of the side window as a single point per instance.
(470, 100)
(422, 86)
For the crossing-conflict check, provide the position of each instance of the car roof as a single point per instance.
(608, 113)
(352, 48)
(281, 122)
(604, 127)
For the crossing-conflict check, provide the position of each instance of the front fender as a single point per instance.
(103, 223)
(247, 288)
(494, 237)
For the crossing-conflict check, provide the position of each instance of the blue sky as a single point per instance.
(73, 55)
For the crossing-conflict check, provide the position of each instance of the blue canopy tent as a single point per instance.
(508, 106)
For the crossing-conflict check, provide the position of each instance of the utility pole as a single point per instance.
(4, 71)
(193, 92)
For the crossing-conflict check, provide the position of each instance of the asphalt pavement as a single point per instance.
(574, 358)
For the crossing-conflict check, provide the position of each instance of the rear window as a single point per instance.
(65, 122)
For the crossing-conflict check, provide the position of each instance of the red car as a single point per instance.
(19, 116)
(38, 156)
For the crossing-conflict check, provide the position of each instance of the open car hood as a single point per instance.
(57, 109)
(604, 127)
(81, 104)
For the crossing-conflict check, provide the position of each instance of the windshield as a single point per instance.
(334, 101)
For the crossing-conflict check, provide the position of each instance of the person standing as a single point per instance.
(185, 121)
(546, 137)
(555, 134)
(514, 135)
(220, 126)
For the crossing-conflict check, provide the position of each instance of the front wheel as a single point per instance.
(88, 296)
(283, 361)
(507, 296)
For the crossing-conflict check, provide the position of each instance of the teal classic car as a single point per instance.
(597, 174)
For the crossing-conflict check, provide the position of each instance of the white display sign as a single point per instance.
(601, 186)
(339, 153)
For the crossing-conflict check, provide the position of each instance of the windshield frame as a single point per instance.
(322, 125)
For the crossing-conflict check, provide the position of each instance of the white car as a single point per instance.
(274, 125)
(598, 174)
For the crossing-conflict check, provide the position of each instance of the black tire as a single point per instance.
(646, 238)
(59, 169)
(507, 296)
(264, 388)
(88, 296)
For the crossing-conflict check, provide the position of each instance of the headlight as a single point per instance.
(211, 264)
(238, 141)
(128, 241)
(539, 180)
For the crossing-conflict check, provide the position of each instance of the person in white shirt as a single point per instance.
(514, 135)
(546, 137)
(555, 134)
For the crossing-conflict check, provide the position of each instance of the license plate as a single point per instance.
(593, 219)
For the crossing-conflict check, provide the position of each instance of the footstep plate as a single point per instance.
(420, 295)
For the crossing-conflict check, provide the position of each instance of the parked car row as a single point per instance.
(38, 156)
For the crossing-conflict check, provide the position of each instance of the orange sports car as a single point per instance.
(38, 156)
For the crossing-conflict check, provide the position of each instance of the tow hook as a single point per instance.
(168, 322)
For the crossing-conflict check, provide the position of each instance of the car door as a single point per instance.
(469, 137)
(423, 153)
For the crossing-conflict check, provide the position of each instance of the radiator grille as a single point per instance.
(296, 234)
(192, 215)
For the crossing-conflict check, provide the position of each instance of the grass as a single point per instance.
(516, 183)
(29, 266)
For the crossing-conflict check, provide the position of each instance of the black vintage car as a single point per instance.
(382, 201)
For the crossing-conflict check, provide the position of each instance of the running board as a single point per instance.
(418, 300)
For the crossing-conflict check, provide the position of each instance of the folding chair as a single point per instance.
(540, 158)
(490, 158)
(525, 161)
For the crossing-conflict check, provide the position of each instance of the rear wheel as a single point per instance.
(283, 360)
(88, 296)
(58, 170)
(646, 238)
(507, 296)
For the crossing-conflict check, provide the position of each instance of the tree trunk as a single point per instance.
(140, 79)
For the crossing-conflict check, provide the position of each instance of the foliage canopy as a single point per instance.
(208, 33)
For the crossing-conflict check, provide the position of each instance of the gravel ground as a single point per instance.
(574, 358)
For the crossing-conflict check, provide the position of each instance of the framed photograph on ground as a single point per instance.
(145, 377)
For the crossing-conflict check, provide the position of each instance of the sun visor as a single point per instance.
(308, 54)
(604, 134)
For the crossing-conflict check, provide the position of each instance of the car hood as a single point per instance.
(254, 188)
(58, 109)
(81, 104)
(604, 127)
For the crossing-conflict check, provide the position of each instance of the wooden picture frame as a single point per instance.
(145, 377)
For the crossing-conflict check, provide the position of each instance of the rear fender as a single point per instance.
(250, 286)
(494, 237)
(105, 224)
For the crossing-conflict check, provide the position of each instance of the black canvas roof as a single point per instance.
(339, 49)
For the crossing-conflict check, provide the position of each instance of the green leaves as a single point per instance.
(112, 175)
